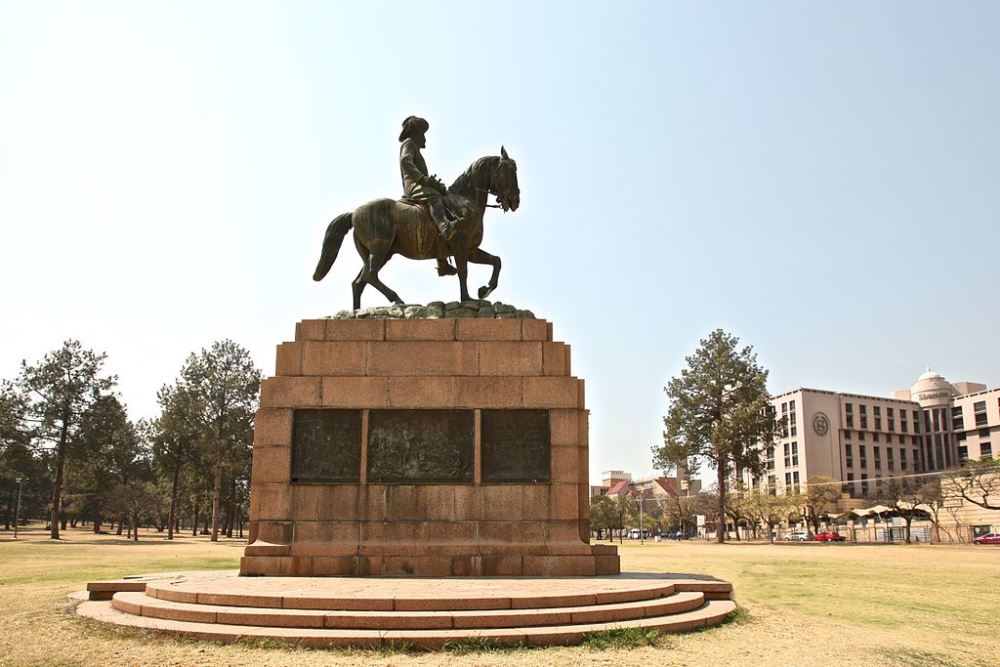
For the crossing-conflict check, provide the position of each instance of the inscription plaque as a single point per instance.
(420, 446)
(326, 446)
(516, 446)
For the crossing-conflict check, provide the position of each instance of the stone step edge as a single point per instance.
(713, 590)
(163, 591)
(140, 604)
(711, 613)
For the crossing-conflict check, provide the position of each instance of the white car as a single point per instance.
(798, 536)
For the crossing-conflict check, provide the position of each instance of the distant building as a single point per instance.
(616, 482)
(857, 440)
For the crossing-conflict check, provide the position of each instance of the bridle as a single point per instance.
(490, 192)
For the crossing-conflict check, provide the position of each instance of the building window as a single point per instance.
(889, 413)
(863, 454)
(795, 481)
(984, 433)
(981, 419)
(903, 425)
(892, 425)
(864, 485)
(863, 408)
(770, 458)
(877, 410)
(979, 406)
(963, 454)
(861, 436)
(902, 459)
(850, 484)
(888, 437)
(795, 454)
(772, 485)
(961, 436)
(849, 455)
(848, 408)
(864, 422)
(916, 421)
(891, 455)
(985, 450)
(788, 455)
(850, 421)
(788, 480)
(875, 437)
(878, 423)
(878, 456)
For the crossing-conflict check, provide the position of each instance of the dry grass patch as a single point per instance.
(800, 605)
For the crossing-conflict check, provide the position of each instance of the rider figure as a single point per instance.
(417, 184)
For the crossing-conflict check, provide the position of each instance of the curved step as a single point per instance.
(711, 613)
(412, 594)
(140, 604)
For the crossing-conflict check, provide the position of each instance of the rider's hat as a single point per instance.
(411, 125)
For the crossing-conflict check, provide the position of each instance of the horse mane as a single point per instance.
(469, 178)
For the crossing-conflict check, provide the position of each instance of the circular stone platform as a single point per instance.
(420, 612)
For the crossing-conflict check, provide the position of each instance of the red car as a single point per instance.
(988, 538)
(829, 536)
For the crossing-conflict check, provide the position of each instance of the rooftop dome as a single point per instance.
(932, 388)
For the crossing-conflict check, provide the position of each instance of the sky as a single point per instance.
(821, 180)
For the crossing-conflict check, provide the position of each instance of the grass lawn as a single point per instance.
(801, 605)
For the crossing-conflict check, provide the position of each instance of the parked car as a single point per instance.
(634, 534)
(798, 536)
(988, 538)
(829, 536)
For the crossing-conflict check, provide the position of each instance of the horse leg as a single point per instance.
(358, 286)
(462, 266)
(380, 254)
(479, 256)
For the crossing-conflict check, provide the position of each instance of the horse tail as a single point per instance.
(335, 233)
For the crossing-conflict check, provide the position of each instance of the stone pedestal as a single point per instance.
(430, 447)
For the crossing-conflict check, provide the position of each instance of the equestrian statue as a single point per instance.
(431, 221)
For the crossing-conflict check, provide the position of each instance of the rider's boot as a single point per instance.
(444, 267)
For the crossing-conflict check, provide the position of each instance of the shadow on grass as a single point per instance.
(916, 658)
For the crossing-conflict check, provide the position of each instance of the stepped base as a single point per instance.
(574, 560)
(420, 612)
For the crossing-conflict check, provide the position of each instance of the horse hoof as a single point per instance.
(485, 292)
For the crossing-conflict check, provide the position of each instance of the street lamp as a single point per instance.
(17, 507)
(642, 530)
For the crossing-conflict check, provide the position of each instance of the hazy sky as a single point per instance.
(820, 180)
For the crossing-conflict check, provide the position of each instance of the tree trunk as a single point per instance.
(194, 524)
(216, 492)
(720, 532)
(57, 483)
(8, 518)
(135, 526)
(173, 496)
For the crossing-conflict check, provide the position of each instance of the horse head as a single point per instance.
(503, 183)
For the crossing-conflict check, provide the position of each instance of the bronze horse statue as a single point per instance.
(386, 227)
